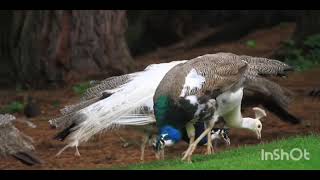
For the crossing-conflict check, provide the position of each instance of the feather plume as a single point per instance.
(131, 105)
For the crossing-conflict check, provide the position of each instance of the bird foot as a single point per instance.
(188, 153)
(210, 150)
(183, 153)
(77, 153)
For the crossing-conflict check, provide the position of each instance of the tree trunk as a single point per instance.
(55, 46)
(308, 23)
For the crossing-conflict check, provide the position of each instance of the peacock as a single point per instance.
(124, 93)
(16, 144)
(129, 101)
(115, 85)
(212, 86)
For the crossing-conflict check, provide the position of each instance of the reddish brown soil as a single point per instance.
(107, 151)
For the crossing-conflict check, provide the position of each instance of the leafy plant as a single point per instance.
(251, 43)
(284, 24)
(56, 104)
(19, 88)
(81, 88)
(305, 57)
(13, 107)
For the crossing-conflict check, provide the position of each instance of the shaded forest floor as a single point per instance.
(107, 150)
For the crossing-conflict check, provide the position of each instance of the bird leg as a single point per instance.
(162, 154)
(77, 153)
(207, 132)
(210, 149)
(191, 134)
(145, 139)
(60, 152)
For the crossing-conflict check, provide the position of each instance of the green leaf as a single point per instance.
(56, 104)
(13, 107)
(251, 43)
(81, 88)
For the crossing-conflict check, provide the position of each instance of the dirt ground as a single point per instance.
(107, 150)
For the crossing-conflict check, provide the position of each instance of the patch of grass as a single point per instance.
(248, 157)
(13, 107)
(251, 43)
(305, 57)
(81, 88)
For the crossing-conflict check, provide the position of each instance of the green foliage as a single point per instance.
(251, 43)
(56, 104)
(13, 107)
(19, 88)
(247, 157)
(284, 24)
(306, 57)
(313, 41)
(81, 88)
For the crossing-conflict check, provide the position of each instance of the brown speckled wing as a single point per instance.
(221, 72)
(109, 83)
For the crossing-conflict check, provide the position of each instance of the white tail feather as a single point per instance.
(121, 107)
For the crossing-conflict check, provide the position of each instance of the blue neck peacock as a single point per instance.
(183, 95)
(128, 100)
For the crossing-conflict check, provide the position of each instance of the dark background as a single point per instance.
(49, 48)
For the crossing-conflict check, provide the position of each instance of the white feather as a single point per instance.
(121, 107)
(192, 81)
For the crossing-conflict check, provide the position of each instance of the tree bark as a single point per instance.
(56, 46)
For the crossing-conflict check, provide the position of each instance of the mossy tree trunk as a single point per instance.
(48, 47)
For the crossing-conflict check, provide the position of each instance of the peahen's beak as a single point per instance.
(227, 140)
(158, 147)
(258, 133)
(225, 137)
